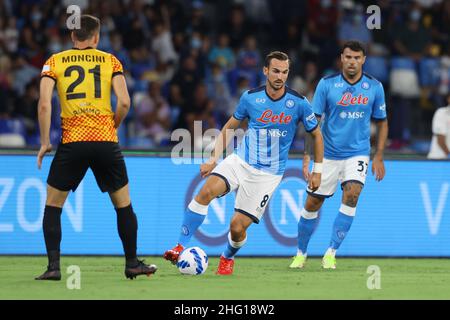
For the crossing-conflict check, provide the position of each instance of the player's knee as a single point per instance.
(351, 197)
(56, 198)
(205, 196)
(237, 231)
(120, 198)
(313, 203)
(121, 202)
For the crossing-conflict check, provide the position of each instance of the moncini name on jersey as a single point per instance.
(83, 58)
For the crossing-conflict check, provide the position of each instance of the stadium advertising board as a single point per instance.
(407, 214)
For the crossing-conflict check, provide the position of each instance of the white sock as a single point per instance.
(300, 253)
(331, 251)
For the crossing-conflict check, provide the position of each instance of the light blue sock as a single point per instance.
(341, 226)
(191, 222)
(306, 228)
(230, 251)
(233, 247)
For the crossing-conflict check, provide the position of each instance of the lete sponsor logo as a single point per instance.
(269, 117)
(348, 99)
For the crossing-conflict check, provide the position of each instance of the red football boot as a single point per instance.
(173, 254)
(225, 267)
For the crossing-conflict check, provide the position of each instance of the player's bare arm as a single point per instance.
(44, 116)
(309, 142)
(377, 163)
(224, 138)
(316, 176)
(441, 142)
(123, 99)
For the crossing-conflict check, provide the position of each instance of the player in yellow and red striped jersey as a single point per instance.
(84, 77)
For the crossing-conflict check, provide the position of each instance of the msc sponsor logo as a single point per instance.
(351, 115)
(260, 100)
(339, 85)
(276, 133)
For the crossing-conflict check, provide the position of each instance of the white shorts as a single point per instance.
(351, 169)
(254, 187)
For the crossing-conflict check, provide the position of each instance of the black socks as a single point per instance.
(127, 226)
(52, 234)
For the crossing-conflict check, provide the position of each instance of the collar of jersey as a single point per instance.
(87, 48)
(275, 100)
(352, 84)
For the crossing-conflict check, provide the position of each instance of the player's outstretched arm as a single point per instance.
(44, 116)
(224, 138)
(123, 99)
(316, 177)
(377, 163)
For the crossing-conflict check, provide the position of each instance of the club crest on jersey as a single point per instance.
(290, 103)
(269, 117)
(365, 85)
(348, 99)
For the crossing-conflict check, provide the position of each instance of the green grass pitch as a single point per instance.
(254, 278)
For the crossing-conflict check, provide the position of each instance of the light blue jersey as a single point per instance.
(346, 110)
(272, 127)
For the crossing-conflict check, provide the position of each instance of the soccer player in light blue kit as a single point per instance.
(255, 169)
(347, 102)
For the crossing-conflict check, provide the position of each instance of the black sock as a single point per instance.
(127, 226)
(52, 235)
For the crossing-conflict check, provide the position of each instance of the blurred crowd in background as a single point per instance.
(189, 60)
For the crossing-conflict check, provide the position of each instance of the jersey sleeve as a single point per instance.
(48, 70)
(241, 111)
(379, 105)
(308, 117)
(439, 125)
(116, 66)
(320, 98)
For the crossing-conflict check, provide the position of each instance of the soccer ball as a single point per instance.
(192, 261)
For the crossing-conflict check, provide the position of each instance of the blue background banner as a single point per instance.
(406, 214)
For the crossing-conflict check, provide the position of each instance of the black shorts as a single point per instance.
(72, 160)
